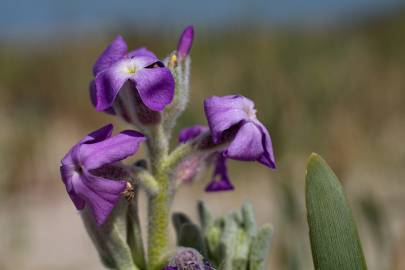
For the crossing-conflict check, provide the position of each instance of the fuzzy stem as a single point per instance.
(158, 224)
(146, 180)
(158, 207)
(177, 155)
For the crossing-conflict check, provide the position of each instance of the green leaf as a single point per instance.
(190, 236)
(134, 235)
(179, 219)
(260, 247)
(241, 250)
(249, 220)
(213, 238)
(110, 238)
(334, 239)
(204, 216)
(228, 241)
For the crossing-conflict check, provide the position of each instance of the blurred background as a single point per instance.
(326, 77)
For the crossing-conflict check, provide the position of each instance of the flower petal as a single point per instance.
(142, 61)
(93, 97)
(98, 135)
(220, 180)
(141, 52)
(267, 158)
(71, 157)
(76, 199)
(185, 42)
(113, 149)
(101, 194)
(109, 82)
(247, 144)
(189, 133)
(224, 112)
(114, 52)
(155, 87)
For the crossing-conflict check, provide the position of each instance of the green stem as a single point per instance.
(146, 180)
(158, 224)
(158, 206)
(177, 155)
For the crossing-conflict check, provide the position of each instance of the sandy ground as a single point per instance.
(43, 230)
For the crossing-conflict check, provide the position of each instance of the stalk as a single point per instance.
(158, 204)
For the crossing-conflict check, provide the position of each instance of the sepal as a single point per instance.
(110, 238)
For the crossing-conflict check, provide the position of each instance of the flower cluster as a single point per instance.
(150, 94)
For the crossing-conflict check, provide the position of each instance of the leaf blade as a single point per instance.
(333, 233)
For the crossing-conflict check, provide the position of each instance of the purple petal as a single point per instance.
(215, 186)
(109, 82)
(220, 180)
(141, 52)
(142, 61)
(224, 112)
(155, 87)
(93, 93)
(69, 175)
(267, 158)
(71, 158)
(185, 42)
(101, 194)
(93, 97)
(247, 144)
(113, 149)
(77, 201)
(189, 133)
(114, 52)
(98, 135)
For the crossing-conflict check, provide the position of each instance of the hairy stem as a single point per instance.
(145, 180)
(158, 207)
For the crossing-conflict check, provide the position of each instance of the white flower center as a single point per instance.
(130, 67)
(250, 111)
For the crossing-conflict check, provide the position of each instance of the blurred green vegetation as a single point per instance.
(338, 91)
(335, 91)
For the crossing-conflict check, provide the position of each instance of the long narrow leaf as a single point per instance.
(334, 239)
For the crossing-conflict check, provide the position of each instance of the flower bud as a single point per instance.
(185, 42)
(188, 259)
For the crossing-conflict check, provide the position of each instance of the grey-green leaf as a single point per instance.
(190, 236)
(260, 247)
(249, 219)
(334, 239)
(134, 235)
(179, 219)
(204, 216)
(110, 238)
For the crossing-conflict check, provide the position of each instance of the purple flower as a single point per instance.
(145, 74)
(233, 118)
(187, 134)
(191, 166)
(220, 180)
(185, 42)
(188, 259)
(91, 173)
